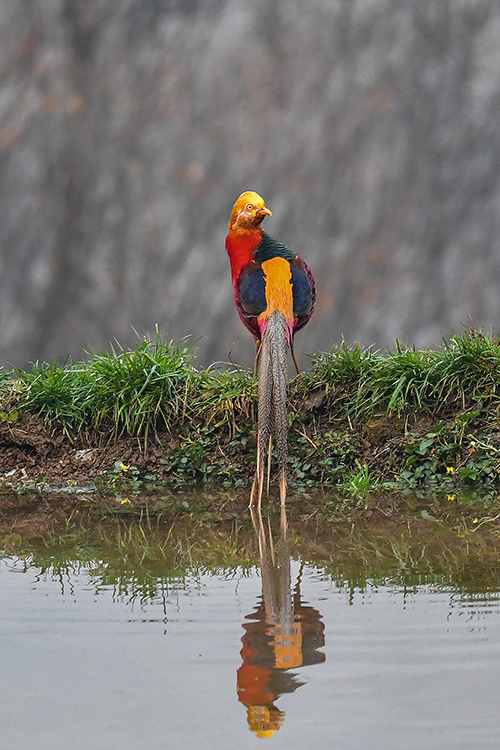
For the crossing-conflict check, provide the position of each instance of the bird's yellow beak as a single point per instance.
(263, 212)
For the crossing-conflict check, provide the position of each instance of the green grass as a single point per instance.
(224, 398)
(133, 392)
(156, 386)
(361, 382)
(207, 417)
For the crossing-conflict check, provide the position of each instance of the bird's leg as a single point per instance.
(283, 524)
(258, 482)
(269, 454)
(252, 493)
(283, 500)
(257, 352)
(255, 483)
(294, 358)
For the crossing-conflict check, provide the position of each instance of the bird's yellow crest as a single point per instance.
(247, 199)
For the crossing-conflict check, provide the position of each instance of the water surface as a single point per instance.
(283, 651)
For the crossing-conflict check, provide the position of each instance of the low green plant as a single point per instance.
(224, 398)
(466, 371)
(143, 389)
(136, 391)
(354, 404)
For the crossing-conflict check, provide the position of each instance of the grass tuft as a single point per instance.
(140, 390)
(136, 392)
(362, 382)
(224, 398)
(156, 386)
(133, 392)
(354, 411)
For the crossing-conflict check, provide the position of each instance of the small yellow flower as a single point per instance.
(450, 497)
(125, 500)
(472, 443)
(475, 520)
(450, 470)
(124, 467)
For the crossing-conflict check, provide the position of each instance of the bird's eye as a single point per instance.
(249, 207)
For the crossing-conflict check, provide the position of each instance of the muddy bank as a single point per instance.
(359, 421)
(36, 455)
(461, 452)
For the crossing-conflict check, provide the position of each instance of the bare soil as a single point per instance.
(31, 453)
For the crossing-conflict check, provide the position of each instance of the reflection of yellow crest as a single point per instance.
(265, 721)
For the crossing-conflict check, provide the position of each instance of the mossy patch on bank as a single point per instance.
(358, 419)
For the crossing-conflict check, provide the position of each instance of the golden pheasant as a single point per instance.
(275, 295)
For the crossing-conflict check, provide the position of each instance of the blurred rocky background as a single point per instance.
(129, 127)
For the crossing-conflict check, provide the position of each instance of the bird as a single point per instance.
(275, 295)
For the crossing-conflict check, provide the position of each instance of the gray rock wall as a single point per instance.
(129, 127)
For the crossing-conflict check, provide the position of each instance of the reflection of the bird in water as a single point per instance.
(281, 634)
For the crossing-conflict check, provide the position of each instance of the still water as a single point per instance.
(282, 652)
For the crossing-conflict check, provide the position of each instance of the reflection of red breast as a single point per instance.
(253, 683)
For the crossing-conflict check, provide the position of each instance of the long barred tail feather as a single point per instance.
(272, 416)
